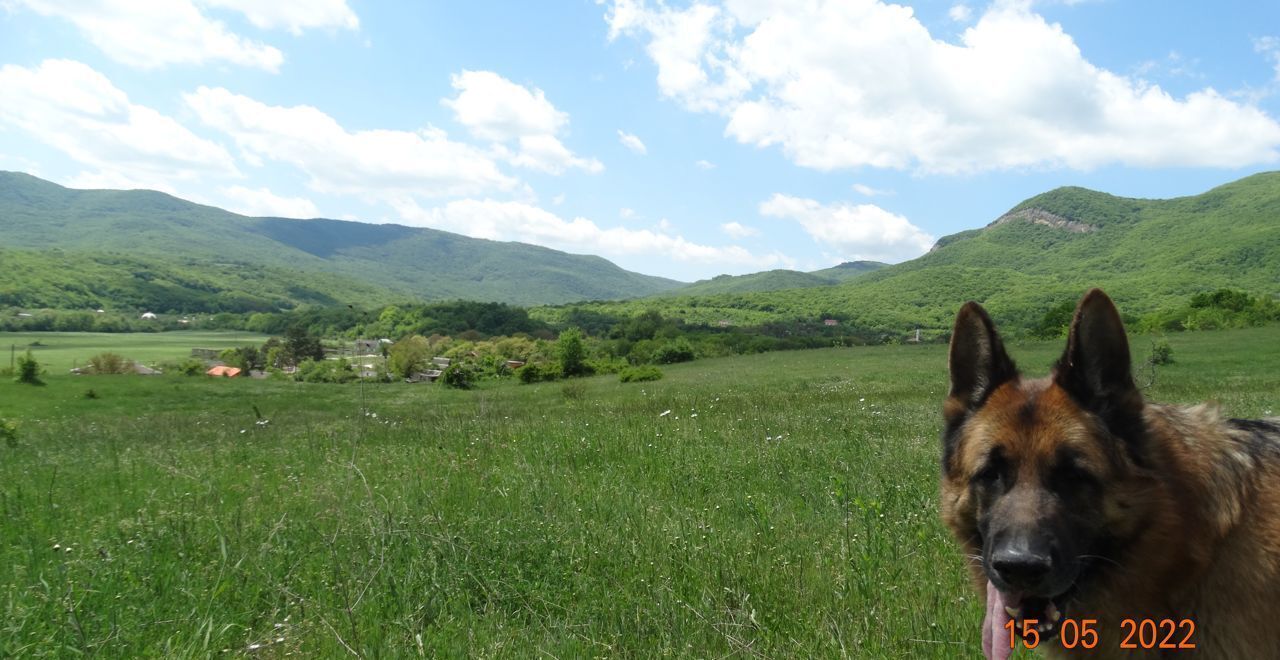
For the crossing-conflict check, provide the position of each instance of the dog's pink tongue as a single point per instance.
(995, 640)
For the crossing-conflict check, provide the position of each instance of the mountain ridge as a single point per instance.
(406, 262)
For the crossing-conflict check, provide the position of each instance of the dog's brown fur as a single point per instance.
(1179, 508)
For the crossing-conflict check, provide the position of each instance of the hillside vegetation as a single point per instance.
(334, 260)
(775, 280)
(1150, 255)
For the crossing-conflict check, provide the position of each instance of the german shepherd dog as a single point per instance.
(1100, 524)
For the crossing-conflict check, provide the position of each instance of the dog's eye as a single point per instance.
(1071, 472)
(992, 471)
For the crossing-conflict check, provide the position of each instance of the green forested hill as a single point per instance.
(323, 259)
(1150, 255)
(775, 280)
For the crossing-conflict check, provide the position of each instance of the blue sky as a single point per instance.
(677, 139)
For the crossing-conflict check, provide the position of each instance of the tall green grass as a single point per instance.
(775, 505)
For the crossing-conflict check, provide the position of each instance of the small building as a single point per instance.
(149, 316)
(224, 371)
(368, 347)
(442, 362)
(724, 323)
(424, 376)
(515, 364)
(830, 322)
(205, 353)
(144, 370)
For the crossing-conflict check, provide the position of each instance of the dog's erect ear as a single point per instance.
(978, 362)
(1095, 367)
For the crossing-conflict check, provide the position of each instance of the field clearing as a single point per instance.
(778, 505)
(61, 351)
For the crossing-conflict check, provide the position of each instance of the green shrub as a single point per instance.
(460, 375)
(1161, 352)
(679, 350)
(607, 365)
(191, 367)
(573, 390)
(538, 373)
(325, 371)
(573, 356)
(639, 374)
(9, 432)
(90, 393)
(110, 363)
(29, 370)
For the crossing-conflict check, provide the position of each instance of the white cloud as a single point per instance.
(292, 15)
(626, 213)
(150, 34)
(546, 153)
(496, 109)
(1270, 47)
(960, 13)
(263, 202)
(500, 111)
(739, 230)
(632, 142)
(499, 220)
(77, 110)
(375, 163)
(867, 191)
(705, 164)
(864, 83)
(862, 231)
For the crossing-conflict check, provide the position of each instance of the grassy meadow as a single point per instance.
(778, 505)
(58, 352)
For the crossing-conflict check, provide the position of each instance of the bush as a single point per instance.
(110, 363)
(538, 373)
(679, 350)
(460, 376)
(9, 432)
(573, 356)
(191, 367)
(29, 370)
(325, 371)
(639, 374)
(1161, 352)
(573, 391)
(90, 393)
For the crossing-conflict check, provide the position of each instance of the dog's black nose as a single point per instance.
(1020, 568)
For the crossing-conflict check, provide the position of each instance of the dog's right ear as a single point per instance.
(978, 363)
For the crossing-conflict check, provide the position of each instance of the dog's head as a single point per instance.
(1034, 471)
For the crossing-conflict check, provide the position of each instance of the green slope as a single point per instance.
(849, 270)
(776, 280)
(387, 260)
(1148, 254)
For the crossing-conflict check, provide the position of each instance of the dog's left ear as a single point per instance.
(1095, 369)
(977, 361)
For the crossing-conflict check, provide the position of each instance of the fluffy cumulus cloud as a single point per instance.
(863, 231)
(507, 220)
(852, 83)
(262, 202)
(376, 164)
(292, 15)
(154, 33)
(632, 142)
(500, 111)
(739, 230)
(77, 110)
